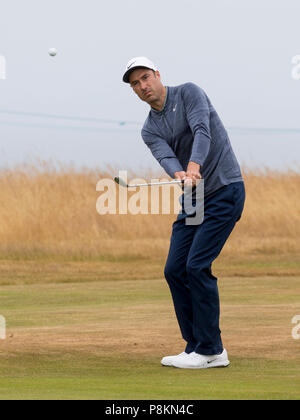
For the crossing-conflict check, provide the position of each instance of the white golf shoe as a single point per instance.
(169, 360)
(201, 361)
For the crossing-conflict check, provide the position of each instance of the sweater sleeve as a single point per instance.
(197, 112)
(162, 153)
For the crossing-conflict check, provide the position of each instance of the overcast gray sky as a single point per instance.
(238, 51)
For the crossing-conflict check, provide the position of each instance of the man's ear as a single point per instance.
(157, 74)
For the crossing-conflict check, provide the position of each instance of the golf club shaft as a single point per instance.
(150, 184)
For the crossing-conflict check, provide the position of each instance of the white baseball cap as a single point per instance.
(137, 62)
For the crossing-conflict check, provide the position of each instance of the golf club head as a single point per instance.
(120, 181)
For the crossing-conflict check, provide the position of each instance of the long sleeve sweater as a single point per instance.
(189, 129)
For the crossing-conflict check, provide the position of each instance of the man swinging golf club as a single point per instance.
(186, 136)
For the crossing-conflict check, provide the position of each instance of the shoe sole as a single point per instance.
(207, 366)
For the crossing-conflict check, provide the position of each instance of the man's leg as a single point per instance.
(222, 210)
(176, 276)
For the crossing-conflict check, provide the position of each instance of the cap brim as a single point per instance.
(128, 73)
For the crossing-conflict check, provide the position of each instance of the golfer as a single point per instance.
(186, 136)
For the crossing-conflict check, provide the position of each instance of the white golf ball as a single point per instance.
(52, 52)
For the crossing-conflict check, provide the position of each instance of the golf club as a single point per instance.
(121, 182)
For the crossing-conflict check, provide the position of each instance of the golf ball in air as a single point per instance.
(52, 52)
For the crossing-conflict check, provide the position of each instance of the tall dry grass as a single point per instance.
(49, 210)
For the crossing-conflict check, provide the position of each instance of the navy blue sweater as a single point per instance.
(189, 129)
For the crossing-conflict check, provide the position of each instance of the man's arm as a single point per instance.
(198, 114)
(162, 153)
(168, 160)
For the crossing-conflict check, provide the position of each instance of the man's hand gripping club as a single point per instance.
(192, 174)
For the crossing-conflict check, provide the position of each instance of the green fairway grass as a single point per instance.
(80, 376)
(104, 338)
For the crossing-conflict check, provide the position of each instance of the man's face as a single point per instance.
(147, 85)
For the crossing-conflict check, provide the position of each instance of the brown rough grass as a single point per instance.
(49, 210)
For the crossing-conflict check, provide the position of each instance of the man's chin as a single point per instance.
(150, 101)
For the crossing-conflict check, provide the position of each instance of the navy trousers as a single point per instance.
(188, 269)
